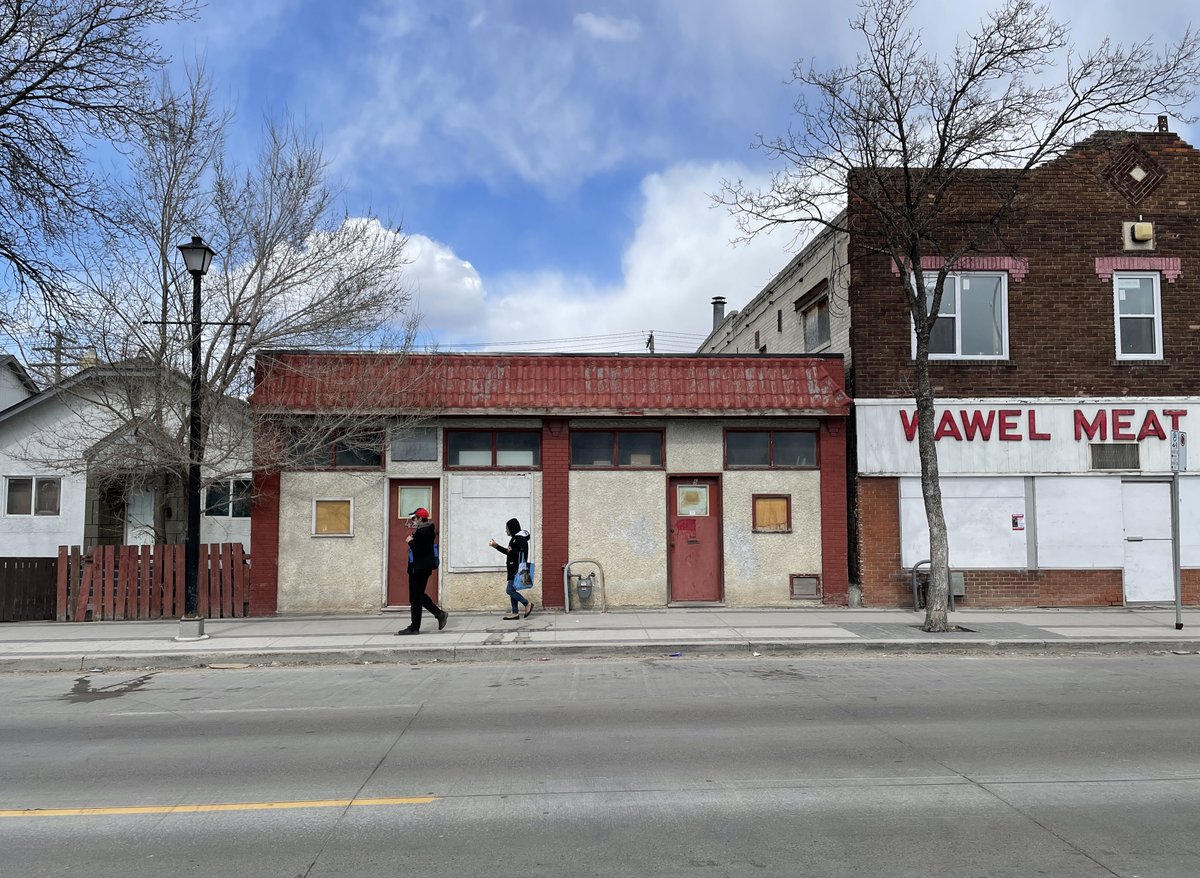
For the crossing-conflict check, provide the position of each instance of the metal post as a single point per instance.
(191, 626)
(1175, 560)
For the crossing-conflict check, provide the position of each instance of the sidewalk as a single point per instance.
(678, 633)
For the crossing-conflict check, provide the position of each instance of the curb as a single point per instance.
(542, 652)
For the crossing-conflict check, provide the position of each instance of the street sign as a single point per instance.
(1178, 451)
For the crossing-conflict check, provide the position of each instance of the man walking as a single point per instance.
(422, 560)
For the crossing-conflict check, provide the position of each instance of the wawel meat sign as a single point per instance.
(1021, 425)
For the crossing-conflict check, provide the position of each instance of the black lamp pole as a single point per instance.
(197, 256)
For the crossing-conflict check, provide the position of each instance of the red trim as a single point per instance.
(1170, 266)
(556, 505)
(264, 545)
(835, 571)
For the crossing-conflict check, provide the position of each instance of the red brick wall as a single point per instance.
(264, 545)
(555, 503)
(835, 571)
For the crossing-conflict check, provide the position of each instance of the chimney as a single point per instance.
(1162, 125)
(718, 303)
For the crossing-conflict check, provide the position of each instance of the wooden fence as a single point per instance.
(146, 582)
(26, 589)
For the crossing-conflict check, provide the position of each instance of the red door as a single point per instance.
(694, 525)
(404, 496)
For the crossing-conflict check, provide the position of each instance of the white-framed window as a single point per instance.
(816, 324)
(333, 517)
(32, 495)
(972, 323)
(1137, 315)
(228, 498)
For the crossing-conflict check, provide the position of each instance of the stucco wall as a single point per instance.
(331, 574)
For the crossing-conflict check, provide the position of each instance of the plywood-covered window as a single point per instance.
(333, 517)
(772, 513)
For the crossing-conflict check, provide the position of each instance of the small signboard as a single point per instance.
(1178, 451)
(1018, 521)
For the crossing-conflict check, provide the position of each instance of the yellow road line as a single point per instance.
(218, 806)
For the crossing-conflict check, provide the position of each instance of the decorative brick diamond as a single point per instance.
(1134, 173)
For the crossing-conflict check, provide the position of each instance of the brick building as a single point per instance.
(683, 479)
(1064, 362)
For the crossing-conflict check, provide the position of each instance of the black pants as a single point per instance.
(417, 599)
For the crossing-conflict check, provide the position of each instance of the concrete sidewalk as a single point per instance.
(676, 632)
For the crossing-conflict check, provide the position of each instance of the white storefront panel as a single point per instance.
(1079, 522)
(979, 522)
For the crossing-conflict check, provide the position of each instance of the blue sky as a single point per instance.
(552, 159)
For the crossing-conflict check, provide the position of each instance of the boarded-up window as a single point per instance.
(332, 518)
(478, 509)
(772, 513)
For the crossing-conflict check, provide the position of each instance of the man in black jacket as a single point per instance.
(421, 564)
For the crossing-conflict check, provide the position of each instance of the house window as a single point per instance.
(416, 443)
(616, 448)
(779, 321)
(494, 449)
(360, 450)
(816, 324)
(228, 499)
(770, 449)
(772, 513)
(1137, 310)
(33, 496)
(333, 518)
(972, 323)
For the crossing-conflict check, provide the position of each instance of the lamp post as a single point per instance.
(197, 257)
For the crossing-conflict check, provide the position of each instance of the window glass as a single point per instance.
(308, 451)
(518, 449)
(414, 497)
(691, 500)
(816, 325)
(417, 443)
(639, 449)
(981, 304)
(795, 449)
(239, 505)
(1137, 313)
(20, 496)
(216, 499)
(46, 497)
(365, 450)
(592, 449)
(331, 517)
(469, 448)
(748, 449)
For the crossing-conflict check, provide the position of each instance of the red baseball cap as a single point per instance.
(420, 512)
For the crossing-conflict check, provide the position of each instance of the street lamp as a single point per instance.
(197, 257)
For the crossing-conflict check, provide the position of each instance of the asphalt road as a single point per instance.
(896, 766)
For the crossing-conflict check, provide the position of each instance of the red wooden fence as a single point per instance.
(146, 582)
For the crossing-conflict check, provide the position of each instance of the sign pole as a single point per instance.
(1178, 462)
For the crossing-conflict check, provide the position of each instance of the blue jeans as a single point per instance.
(514, 596)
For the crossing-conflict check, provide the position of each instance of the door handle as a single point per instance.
(1133, 539)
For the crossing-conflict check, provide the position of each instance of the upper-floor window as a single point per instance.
(32, 496)
(348, 450)
(414, 443)
(616, 448)
(770, 449)
(228, 498)
(1137, 312)
(816, 324)
(972, 322)
(494, 449)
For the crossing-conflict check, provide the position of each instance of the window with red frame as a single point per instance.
(770, 449)
(494, 449)
(608, 449)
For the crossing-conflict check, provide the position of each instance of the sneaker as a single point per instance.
(442, 620)
(409, 631)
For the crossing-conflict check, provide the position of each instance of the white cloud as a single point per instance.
(619, 30)
(678, 258)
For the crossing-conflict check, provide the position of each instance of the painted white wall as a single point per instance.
(12, 390)
(979, 527)
(1080, 524)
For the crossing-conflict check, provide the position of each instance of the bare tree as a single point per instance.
(72, 72)
(292, 270)
(896, 135)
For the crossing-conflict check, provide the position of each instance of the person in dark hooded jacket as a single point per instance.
(423, 561)
(516, 552)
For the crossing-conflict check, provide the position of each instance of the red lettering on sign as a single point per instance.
(977, 424)
(910, 426)
(947, 427)
(1120, 424)
(1151, 427)
(1175, 415)
(1033, 430)
(1096, 426)
(1008, 425)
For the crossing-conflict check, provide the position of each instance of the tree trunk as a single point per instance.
(937, 594)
